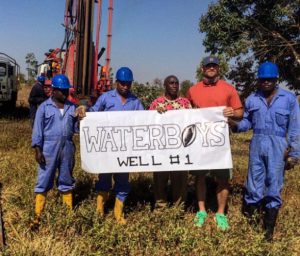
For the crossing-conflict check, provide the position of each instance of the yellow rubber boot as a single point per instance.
(67, 198)
(118, 212)
(102, 197)
(40, 201)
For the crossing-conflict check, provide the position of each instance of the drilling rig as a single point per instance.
(79, 55)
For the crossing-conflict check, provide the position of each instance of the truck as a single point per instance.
(9, 80)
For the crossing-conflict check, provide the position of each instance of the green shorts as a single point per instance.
(217, 173)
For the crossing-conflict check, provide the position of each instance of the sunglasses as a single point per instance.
(123, 83)
(209, 66)
(267, 80)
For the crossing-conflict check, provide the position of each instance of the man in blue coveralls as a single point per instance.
(273, 114)
(54, 126)
(119, 99)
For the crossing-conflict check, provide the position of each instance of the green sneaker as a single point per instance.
(222, 221)
(200, 218)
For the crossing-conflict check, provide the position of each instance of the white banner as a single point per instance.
(146, 141)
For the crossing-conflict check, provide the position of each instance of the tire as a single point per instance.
(11, 105)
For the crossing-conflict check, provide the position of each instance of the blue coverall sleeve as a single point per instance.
(99, 105)
(246, 123)
(294, 130)
(38, 128)
(139, 105)
(76, 127)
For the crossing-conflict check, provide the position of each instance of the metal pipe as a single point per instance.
(90, 49)
(109, 35)
(97, 45)
(63, 63)
(79, 46)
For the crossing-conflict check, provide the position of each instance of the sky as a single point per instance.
(155, 38)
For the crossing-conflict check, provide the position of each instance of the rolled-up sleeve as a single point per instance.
(99, 105)
(246, 123)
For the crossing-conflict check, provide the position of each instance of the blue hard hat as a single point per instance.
(124, 74)
(61, 82)
(41, 78)
(268, 70)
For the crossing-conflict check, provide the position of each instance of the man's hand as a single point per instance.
(81, 112)
(228, 112)
(290, 163)
(161, 110)
(39, 156)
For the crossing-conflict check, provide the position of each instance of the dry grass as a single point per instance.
(148, 233)
(23, 93)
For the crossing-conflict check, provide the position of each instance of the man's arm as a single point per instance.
(238, 114)
(235, 109)
(189, 98)
(245, 123)
(32, 96)
(38, 128)
(99, 105)
(37, 135)
(234, 114)
(294, 131)
(82, 109)
(36, 96)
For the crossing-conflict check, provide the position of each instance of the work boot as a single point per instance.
(40, 201)
(118, 212)
(269, 222)
(102, 197)
(67, 198)
(251, 212)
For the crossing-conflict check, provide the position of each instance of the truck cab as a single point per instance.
(9, 83)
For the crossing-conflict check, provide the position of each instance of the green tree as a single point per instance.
(249, 32)
(22, 78)
(146, 93)
(184, 87)
(158, 82)
(244, 78)
(31, 65)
